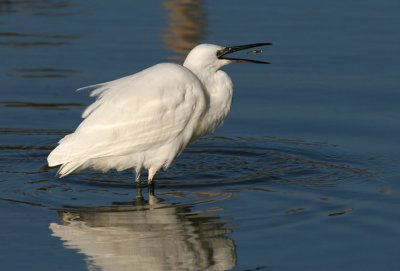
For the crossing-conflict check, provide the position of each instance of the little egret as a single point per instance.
(146, 119)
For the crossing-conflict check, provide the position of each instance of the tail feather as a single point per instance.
(68, 168)
(63, 153)
(55, 158)
(61, 156)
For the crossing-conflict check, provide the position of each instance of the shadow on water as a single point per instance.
(147, 235)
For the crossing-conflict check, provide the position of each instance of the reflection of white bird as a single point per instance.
(147, 237)
(146, 119)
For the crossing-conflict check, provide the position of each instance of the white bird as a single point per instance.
(146, 119)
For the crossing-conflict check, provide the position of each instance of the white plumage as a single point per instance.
(146, 119)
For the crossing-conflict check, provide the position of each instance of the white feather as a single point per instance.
(148, 118)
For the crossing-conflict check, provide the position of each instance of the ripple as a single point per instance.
(32, 43)
(225, 161)
(19, 39)
(38, 7)
(35, 105)
(218, 164)
(35, 35)
(45, 72)
(32, 131)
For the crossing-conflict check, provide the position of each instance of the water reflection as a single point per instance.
(186, 26)
(147, 235)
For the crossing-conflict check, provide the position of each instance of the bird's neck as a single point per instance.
(219, 89)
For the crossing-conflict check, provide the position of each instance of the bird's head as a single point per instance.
(210, 56)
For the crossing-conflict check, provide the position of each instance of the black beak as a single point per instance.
(231, 49)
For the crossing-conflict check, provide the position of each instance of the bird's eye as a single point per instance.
(223, 52)
(220, 53)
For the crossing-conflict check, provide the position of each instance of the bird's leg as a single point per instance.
(151, 174)
(137, 175)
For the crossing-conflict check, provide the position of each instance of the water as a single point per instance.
(302, 175)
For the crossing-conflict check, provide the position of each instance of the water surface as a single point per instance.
(302, 175)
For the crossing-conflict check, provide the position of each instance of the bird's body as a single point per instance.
(146, 119)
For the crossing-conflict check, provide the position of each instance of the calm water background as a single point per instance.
(304, 173)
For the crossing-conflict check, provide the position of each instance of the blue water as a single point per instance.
(304, 173)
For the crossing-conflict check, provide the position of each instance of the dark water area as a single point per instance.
(304, 173)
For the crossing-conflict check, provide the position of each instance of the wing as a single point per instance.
(135, 113)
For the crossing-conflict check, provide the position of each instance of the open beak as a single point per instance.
(231, 49)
